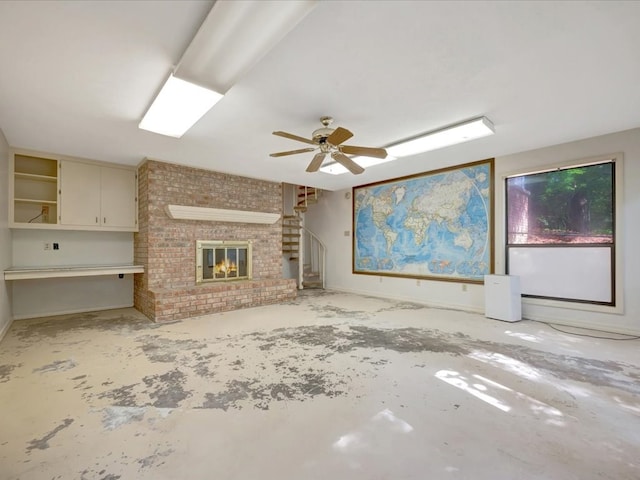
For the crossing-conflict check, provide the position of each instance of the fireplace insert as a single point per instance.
(222, 260)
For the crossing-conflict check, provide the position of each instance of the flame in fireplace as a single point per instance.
(226, 266)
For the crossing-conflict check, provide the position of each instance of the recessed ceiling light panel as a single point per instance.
(178, 106)
(459, 133)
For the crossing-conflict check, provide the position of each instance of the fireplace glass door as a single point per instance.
(221, 261)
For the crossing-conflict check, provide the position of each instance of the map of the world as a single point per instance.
(435, 225)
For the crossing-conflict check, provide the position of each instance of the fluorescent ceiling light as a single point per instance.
(177, 107)
(231, 40)
(334, 168)
(459, 133)
(235, 36)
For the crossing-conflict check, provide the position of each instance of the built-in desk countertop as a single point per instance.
(26, 273)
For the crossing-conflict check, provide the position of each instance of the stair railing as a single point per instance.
(313, 254)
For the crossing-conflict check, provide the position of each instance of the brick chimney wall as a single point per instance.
(166, 247)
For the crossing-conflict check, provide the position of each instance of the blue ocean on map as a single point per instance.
(427, 226)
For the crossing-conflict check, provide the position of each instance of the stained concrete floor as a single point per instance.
(328, 386)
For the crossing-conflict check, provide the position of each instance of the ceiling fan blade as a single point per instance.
(364, 151)
(292, 152)
(347, 163)
(291, 136)
(339, 135)
(315, 164)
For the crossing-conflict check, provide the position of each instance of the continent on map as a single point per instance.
(427, 226)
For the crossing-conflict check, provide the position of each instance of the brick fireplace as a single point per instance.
(169, 289)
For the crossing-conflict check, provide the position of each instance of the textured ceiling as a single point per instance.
(77, 77)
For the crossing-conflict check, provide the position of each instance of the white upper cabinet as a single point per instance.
(54, 192)
(118, 198)
(79, 194)
(98, 196)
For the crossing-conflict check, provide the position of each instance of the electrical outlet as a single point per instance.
(347, 233)
(47, 246)
(464, 287)
(417, 283)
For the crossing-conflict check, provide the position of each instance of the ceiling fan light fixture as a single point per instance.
(331, 142)
(334, 168)
(444, 137)
(178, 106)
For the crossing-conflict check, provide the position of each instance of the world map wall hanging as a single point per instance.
(436, 225)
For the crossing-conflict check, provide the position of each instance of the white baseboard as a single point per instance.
(67, 312)
(6, 328)
(402, 298)
(465, 308)
(588, 325)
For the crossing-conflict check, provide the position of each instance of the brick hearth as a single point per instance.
(166, 247)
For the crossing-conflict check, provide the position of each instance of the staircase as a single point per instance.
(291, 236)
(305, 196)
(301, 245)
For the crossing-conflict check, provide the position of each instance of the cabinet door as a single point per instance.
(118, 200)
(80, 194)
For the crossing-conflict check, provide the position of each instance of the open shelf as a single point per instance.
(32, 176)
(30, 200)
(45, 167)
(35, 190)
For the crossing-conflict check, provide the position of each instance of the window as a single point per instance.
(561, 232)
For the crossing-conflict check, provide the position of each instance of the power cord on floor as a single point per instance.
(628, 337)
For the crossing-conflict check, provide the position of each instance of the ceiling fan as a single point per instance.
(329, 141)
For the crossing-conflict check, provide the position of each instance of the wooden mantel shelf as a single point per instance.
(26, 273)
(184, 212)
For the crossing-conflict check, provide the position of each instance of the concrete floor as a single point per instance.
(329, 386)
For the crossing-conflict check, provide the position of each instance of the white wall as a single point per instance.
(44, 297)
(5, 238)
(76, 248)
(333, 216)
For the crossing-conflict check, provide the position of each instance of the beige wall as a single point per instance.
(5, 237)
(332, 216)
(55, 296)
